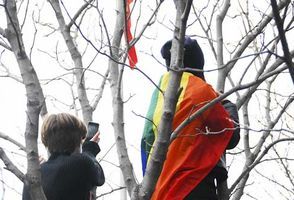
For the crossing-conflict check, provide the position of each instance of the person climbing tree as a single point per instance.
(195, 158)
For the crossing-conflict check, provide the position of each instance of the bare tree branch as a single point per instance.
(6, 46)
(35, 101)
(222, 187)
(2, 32)
(77, 59)
(248, 94)
(253, 34)
(6, 137)
(285, 165)
(257, 160)
(9, 74)
(221, 97)
(149, 22)
(78, 13)
(279, 25)
(222, 73)
(10, 166)
(111, 191)
(117, 103)
(101, 88)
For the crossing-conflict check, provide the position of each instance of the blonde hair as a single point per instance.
(62, 133)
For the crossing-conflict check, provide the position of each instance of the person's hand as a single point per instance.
(96, 137)
(42, 159)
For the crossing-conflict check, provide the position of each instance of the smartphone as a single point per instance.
(93, 128)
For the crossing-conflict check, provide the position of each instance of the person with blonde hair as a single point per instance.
(71, 171)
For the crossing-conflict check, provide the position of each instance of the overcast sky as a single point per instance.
(136, 86)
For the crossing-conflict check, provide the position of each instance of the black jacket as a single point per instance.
(220, 171)
(232, 110)
(206, 189)
(70, 176)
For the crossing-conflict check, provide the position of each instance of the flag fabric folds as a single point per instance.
(132, 55)
(197, 148)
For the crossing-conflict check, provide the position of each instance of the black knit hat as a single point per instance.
(193, 56)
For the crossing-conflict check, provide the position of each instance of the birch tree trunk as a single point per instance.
(222, 187)
(222, 71)
(117, 103)
(35, 101)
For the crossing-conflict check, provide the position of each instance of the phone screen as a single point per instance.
(92, 129)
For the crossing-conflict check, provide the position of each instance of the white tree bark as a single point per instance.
(222, 71)
(117, 102)
(222, 75)
(35, 101)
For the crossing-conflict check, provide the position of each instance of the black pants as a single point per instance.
(205, 190)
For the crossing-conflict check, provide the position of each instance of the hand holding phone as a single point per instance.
(93, 128)
(96, 138)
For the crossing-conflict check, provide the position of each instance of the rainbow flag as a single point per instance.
(132, 55)
(197, 148)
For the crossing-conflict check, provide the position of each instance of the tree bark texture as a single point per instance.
(35, 101)
(222, 187)
(117, 102)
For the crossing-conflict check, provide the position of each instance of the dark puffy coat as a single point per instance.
(71, 176)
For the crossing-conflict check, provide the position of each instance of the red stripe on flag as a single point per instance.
(132, 55)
